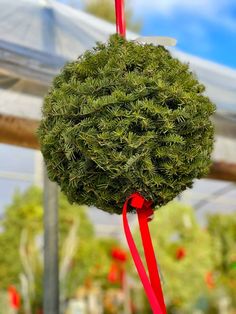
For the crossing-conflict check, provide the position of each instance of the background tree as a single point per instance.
(184, 256)
(222, 229)
(21, 244)
(105, 9)
(25, 212)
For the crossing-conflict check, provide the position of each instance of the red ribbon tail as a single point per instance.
(152, 287)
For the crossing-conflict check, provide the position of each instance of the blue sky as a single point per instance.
(206, 28)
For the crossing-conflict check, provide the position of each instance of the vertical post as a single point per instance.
(126, 290)
(51, 281)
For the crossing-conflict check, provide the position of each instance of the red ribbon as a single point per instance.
(152, 287)
(120, 17)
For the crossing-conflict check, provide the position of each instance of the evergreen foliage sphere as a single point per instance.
(126, 117)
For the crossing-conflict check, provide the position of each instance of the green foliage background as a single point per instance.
(90, 261)
(105, 9)
(24, 211)
(222, 229)
(173, 227)
(208, 250)
(126, 117)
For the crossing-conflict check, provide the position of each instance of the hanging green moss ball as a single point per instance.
(126, 117)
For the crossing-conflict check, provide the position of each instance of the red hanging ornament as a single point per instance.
(209, 279)
(14, 298)
(114, 273)
(119, 255)
(180, 253)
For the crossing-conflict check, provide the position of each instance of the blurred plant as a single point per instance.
(184, 256)
(222, 229)
(31, 261)
(21, 246)
(105, 9)
(197, 266)
(24, 213)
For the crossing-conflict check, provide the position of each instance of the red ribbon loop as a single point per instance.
(152, 287)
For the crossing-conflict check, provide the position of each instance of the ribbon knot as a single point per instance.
(151, 286)
(142, 206)
(136, 200)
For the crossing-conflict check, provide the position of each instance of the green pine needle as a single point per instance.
(126, 117)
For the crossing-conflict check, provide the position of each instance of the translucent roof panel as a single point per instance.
(37, 37)
(50, 27)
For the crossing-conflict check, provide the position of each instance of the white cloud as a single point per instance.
(217, 11)
(170, 6)
(227, 22)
